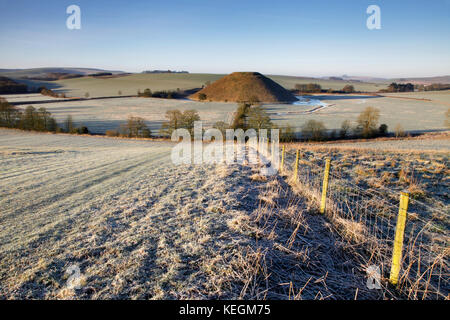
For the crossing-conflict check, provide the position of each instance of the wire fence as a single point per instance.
(368, 218)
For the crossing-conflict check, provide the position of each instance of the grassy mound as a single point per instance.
(244, 86)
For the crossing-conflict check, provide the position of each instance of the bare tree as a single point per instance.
(313, 130)
(368, 122)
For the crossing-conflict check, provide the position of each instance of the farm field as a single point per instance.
(139, 227)
(420, 164)
(412, 115)
(418, 112)
(439, 97)
(290, 82)
(107, 114)
(439, 144)
(362, 201)
(104, 114)
(129, 85)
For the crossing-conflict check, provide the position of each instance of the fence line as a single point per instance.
(408, 251)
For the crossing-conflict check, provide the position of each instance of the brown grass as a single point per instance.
(245, 86)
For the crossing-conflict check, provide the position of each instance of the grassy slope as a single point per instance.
(130, 84)
(139, 227)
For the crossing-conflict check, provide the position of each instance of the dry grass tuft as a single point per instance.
(258, 177)
(416, 191)
(351, 230)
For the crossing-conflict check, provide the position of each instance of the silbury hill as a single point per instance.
(244, 86)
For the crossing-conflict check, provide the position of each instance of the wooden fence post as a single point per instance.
(282, 160)
(399, 235)
(325, 186)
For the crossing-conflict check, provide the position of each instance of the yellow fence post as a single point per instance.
(399, 234)
(296, 165)
(282, 160)
(325, 186)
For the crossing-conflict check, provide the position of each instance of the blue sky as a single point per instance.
(305, 38)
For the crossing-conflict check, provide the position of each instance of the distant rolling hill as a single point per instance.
(414, 80)
(36, 72)
(424, 80)
(131, 83)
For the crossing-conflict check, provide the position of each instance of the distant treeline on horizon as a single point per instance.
(164, 71)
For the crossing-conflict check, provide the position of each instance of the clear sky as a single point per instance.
(305, 38)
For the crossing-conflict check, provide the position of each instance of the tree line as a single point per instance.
(147, 93)
(433, 87)
(366, 126)
(399, 87)
(251, 115)
(317, 88)
(35, 119)
(135, 127)
(48, 92)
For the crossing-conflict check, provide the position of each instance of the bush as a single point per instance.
(112, 133)
(287, 134)
(345, 128)
(240, 116)
(258, 119)
(135, 127)
(308, 88)
(222, 126)
(201, 96)
(368, 122)
(82, 130)
(177, 119)
(399, 131)
(333, 134)
(158, 94)
(348, 89)
(383, 129)
(47, 92)
(313, 130)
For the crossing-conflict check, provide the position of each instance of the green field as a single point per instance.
(290, 82)
(129, 84)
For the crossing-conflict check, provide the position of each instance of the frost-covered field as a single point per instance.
(442, 144)
(28, 97)
(140, 227)
(412, 115)
(104, 114)
(107, 114)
